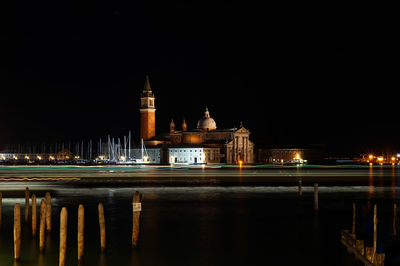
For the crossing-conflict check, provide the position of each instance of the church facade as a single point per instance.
(204, 144)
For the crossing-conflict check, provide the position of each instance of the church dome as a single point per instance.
(206, 123)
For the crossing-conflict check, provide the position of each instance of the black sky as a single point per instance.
(292, 74)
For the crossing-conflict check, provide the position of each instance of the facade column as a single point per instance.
(237, 150)
(245, 150)
(233, 150)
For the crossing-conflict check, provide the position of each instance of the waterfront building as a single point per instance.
(193, 155)
(229, 145)
(290, 154)
(153, 155)
(282, 155)
(381, 159)
(21, 157)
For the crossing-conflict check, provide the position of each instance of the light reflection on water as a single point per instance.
(239, 218)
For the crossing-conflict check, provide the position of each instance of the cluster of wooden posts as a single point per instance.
(45, 224)
(367, 255)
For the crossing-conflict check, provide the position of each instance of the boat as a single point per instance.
(180, 163)
(145, 159)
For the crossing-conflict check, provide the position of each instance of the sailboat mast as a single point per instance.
(109, 148)
(113, 149)
(119, 149)
(142, 149)
(125, 147)
(129, 145)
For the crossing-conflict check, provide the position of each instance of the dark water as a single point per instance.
(210, 217)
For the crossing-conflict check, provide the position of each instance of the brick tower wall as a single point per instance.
(147, 124)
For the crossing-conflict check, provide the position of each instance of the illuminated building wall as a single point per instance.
(193, 155)
(154, 154)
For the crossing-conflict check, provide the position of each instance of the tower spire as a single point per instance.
(184, 125)
(147, 87)
(172, 126)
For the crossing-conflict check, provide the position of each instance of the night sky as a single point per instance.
(293, 75)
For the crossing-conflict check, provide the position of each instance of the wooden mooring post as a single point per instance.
(48, 212)
(17, 231)
(300, 192)
(63, 236)
(102, 225)
(81, 229)
(316, 197)
(367, 255)
(136, 209)
(34, 215)
(26, 204)
(353, 229)
(42, 226)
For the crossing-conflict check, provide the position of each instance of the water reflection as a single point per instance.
(370, 183)
(381, 179)
(397, 181)
(394, 219)
(47, 243)
(103, 260)
(393, 183)
(205, 220)
(41, 259)
(240, 175)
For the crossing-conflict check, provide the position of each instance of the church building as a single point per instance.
(204, 144)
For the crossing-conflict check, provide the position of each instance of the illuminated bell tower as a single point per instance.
(147, 112)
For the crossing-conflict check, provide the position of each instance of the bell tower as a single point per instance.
(147, 112)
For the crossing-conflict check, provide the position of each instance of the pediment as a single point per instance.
(243, 130)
